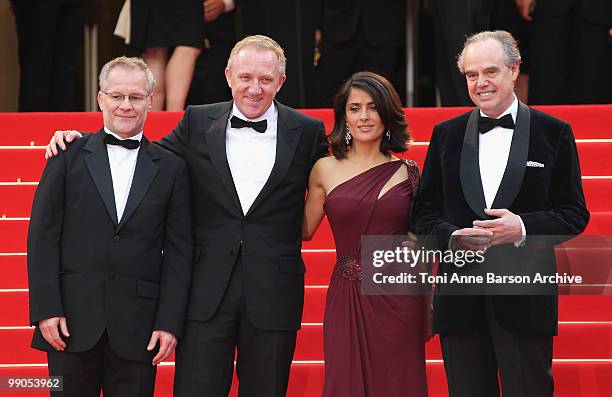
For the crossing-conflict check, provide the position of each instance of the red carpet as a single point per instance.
(583, 349)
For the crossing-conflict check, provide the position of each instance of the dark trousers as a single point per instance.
(205, 354)
(49, 35)
(340, 60)
(571, 59)
(100, 368)
(472, 361)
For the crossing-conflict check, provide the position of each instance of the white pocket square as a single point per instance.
(535, 164)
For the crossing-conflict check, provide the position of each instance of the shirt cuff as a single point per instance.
(229, 5)
(521, 242)
(451, 239)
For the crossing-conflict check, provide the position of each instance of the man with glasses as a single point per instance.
(110, 248)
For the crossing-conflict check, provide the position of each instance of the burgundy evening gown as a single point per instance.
(374, 345)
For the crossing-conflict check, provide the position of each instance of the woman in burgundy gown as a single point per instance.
(374, 344)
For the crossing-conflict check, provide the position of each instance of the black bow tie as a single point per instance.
(259, 126)
(486, 124)
(126, 143)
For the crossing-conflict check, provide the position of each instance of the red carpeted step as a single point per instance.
(27, 164)
(595, 340)
(592, 263)
(571, 307)
(572, 379)
(14, 271)
(17, 200)
(14, 232)
(588, 121)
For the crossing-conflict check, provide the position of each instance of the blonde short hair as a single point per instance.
(129, 63)
(260, 42)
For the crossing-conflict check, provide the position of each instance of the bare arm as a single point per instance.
(525, 8)
(313, 208)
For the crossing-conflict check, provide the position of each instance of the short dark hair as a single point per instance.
(388, 106)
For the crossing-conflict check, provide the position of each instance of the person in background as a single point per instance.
(170, 34)
(49, 34)
(358, 35)
(208, 84)
(574, 36)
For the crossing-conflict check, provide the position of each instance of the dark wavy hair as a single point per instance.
(388, 106)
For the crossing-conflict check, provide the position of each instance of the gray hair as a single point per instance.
(512, 55)
(260, 42)
(129, 63)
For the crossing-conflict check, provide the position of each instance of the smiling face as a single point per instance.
(125, 118)
(362, 118)
(490, 81)
(255, 78)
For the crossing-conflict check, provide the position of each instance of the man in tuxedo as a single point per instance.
(249, 161)
(501, 179)
(110, 248)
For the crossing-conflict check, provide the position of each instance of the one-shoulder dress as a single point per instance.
(373, 344)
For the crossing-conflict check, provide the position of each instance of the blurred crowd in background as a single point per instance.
(566, 46)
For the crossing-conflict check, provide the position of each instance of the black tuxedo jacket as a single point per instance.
(103, 274)
(267, 238)
(383, 21)
(549, 200)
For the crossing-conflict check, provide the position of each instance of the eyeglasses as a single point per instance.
(117, 98)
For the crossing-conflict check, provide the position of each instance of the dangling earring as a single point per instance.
(388, 134)
(347, 136)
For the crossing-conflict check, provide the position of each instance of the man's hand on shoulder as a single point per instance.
(60, 139)
(50, 329)
(167, 344)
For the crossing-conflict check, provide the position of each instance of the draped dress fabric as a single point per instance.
(374, 345)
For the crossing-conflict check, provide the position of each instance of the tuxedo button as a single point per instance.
(233, 252)
(112, 275)
(116, 239)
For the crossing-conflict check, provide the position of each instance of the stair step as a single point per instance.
(28, 164)
(576, 257)
(594, 336)
(571, 307)
(574, 378)
(18, 197)
(588, 121)
(14, 232)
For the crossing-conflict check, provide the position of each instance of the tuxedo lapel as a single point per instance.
(99, 169)
(517, 160)
(215, 138)
(145, 172)
(469, 168)
(287, 138)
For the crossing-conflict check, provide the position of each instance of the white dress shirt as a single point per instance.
(251, 155)
(122, 165)
(493, 152)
